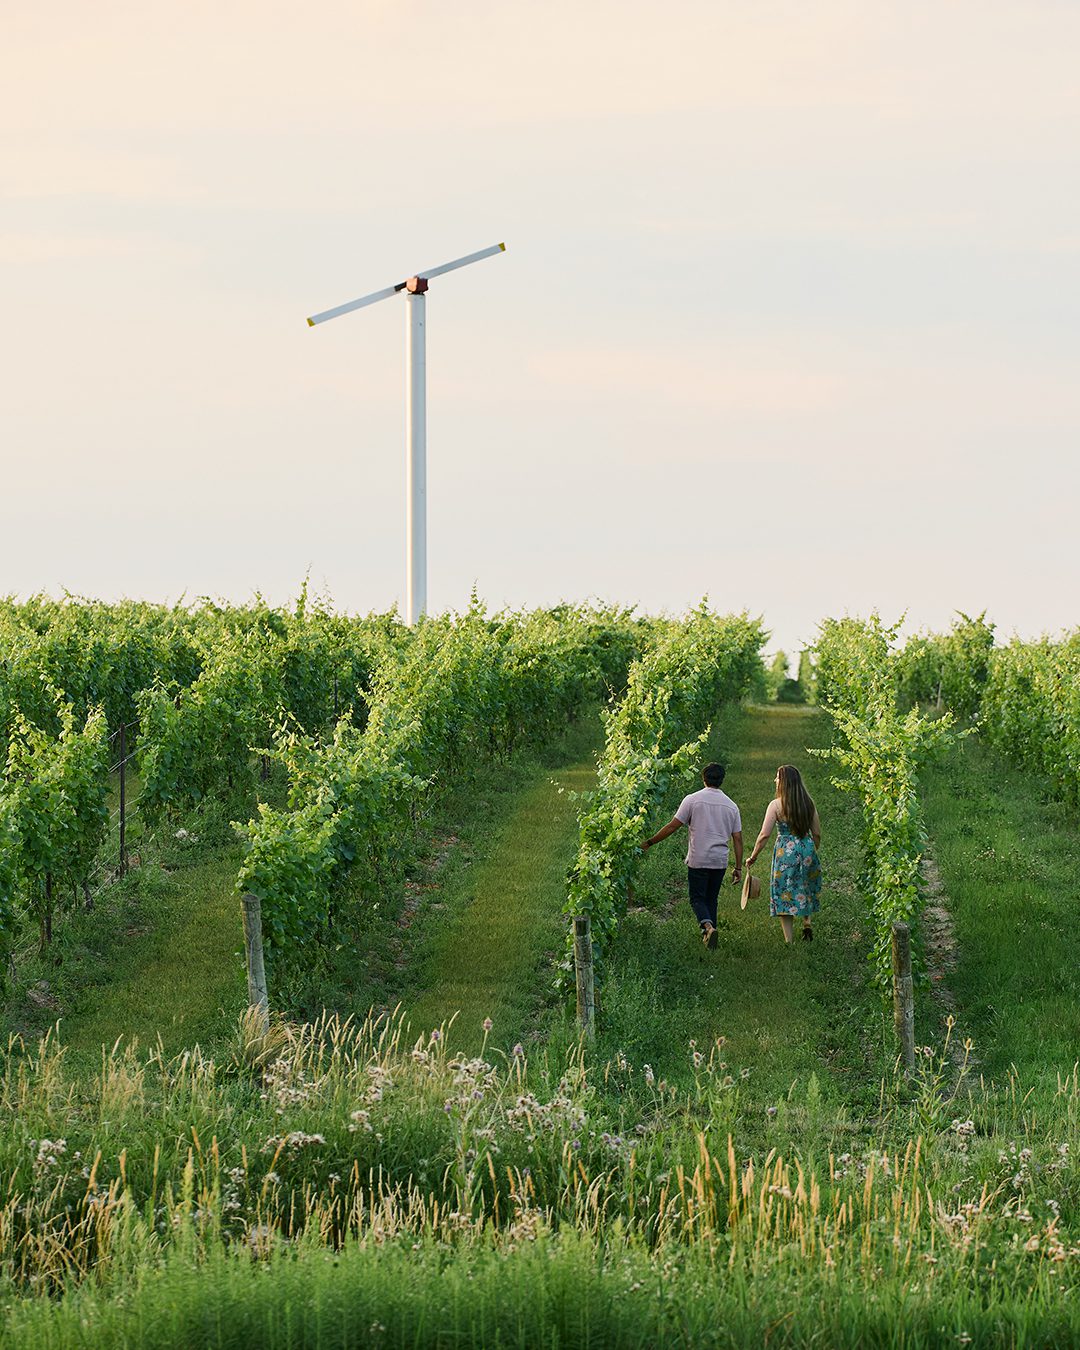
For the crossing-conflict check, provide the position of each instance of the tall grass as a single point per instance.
(338, 1141)
(552, 1290)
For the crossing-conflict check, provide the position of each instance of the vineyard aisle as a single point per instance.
(1009, 856)
(785, 1013)
(174, 970)
(490, 952)
(496, 959)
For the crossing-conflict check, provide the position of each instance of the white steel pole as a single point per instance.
(415, 460)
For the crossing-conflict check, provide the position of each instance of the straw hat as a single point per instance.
(751, 889)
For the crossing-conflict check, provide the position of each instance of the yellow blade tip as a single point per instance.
(503, 247)
(311, 323)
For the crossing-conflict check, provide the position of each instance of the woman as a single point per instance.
(796, 871)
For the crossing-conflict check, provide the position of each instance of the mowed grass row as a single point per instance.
(160, 955)
(174, 973)
(495, 962)
(787, 1013)
(782, 1010)
(1009, 856)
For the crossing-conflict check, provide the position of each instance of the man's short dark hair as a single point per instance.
(713, 774)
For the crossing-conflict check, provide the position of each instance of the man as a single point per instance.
(712, 819)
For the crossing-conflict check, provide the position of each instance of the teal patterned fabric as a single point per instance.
(796, 875)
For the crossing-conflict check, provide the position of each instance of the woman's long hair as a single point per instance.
(796, 804)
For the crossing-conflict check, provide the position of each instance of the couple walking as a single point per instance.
(713, 820)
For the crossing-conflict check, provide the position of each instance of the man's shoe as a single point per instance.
(808, 935)
(708, 936)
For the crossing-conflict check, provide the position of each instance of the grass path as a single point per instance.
(160, 956)
(489, 962)
(791, 1014)
(787, 1014)
(174, 968)
(1009, 857)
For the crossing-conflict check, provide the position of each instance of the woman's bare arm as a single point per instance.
(763, 835)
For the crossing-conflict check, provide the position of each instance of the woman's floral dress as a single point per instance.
(796, 874)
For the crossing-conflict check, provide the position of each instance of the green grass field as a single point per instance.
(736, 1161)
(1009, 855)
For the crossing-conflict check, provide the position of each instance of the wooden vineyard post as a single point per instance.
(123, 801)
(583, 969)
(253, 949)
(903, 993)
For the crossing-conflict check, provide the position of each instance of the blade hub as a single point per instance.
(416, 285)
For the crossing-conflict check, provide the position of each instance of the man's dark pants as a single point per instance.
(704, 887)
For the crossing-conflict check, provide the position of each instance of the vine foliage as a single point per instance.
(465, 689)
(653, 735)
(879, 750)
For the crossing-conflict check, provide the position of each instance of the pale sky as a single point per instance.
(788, 316)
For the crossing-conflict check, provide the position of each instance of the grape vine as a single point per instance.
(880, 751)
(53, 814)
(653, 734)
(465, 689)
